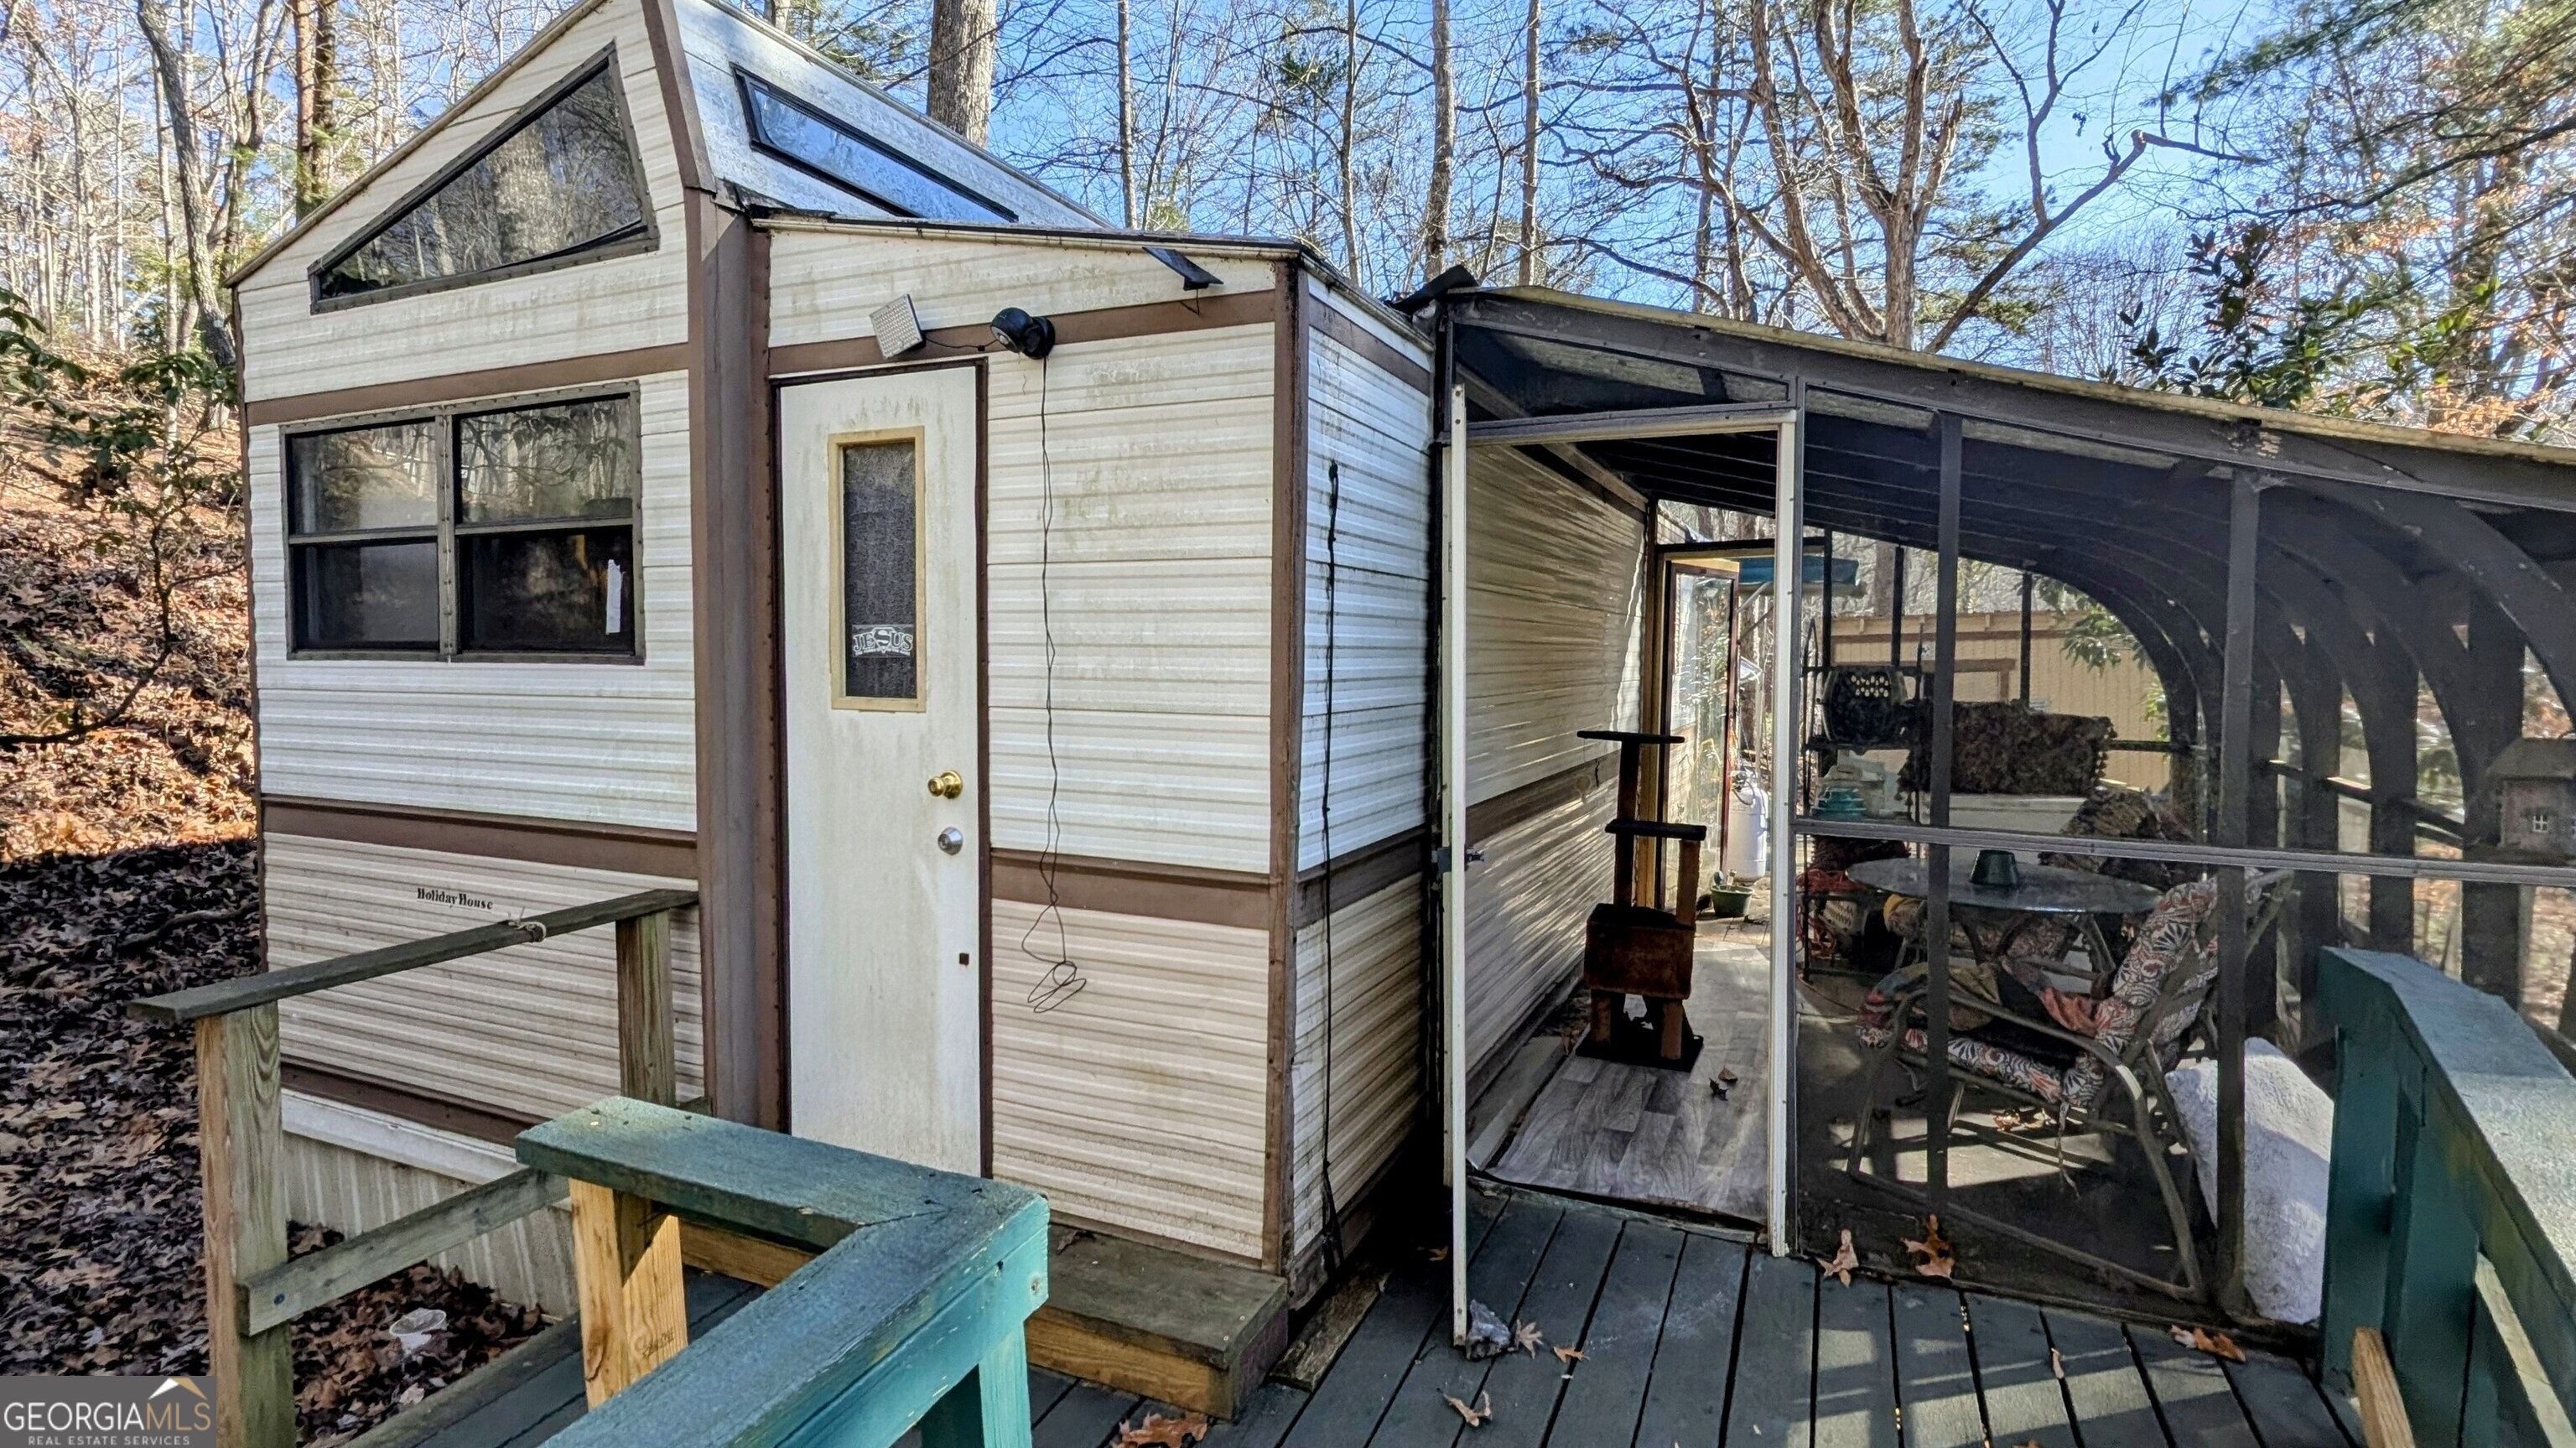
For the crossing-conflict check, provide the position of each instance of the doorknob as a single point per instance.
(952, 839)
(947, 784)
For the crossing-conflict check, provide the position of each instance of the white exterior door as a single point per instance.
(885, 840)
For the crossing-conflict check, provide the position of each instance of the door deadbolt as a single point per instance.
(952, 839)
(947, 784)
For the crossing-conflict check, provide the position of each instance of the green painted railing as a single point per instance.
(2451, 1218)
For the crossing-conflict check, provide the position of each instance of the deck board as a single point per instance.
(2103, 1383)
(1936, 1380)
(1602, 1398)
(2191, 1389)
(2023, 1400)
(1775, 1355)
(1689, 1337)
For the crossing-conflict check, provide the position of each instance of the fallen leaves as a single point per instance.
(1161, 1430)
(1476, 1416)
(1840, 1265)
(1567, 1354)
(2201, 1339)
(2023, 1118)
(2057, 1364)
(1527, 1338)
(1933, 1249)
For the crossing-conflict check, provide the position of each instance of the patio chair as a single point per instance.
(2115, 1083)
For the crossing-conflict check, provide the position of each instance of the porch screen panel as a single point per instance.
(880, 571)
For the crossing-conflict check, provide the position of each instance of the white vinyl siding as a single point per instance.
(529, 1031)
(1141, 1101)
(610, 305)
(1554, 595)
(597, 742)
(824, 283)
(1376, 961)
(1377, 430)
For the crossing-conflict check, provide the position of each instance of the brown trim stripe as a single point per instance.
(1490, 817)
(1338, 325)
(1289, 487)
(1236, 898)
(672, 854)
(479, 1122)
(1103, 324)
(1361, 873)
(465, 386)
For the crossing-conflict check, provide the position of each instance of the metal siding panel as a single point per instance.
(530, 1030)
(1554, 592)
(1158, 593)
(288, 349)
(1140, 1100)
(526, 1261)
(823, 285)
(1376, 960)
(1379, 432)
(598, 743)
(1525, 910)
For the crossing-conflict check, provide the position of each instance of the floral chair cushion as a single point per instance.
(2168, 938)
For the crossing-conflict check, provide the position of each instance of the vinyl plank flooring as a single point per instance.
(1855, 1366)
(1419, 1415)
(1775, 1354)
(1936, 1379)
(1045, 1388)
(1525, 1386)
(1602, 1399)
(2024, 1403)
(1686, 1395)
(2103, 1383)
(2192, 1391)
(1265, 1419)
(2287, 1409)
(1412, 1310)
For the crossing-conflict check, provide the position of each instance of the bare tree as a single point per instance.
(960, 93)
(1529, 236)
(173, 80)
(317, 58)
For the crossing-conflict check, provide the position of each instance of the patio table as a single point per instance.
(2044, 890)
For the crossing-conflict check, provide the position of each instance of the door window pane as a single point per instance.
(366, 477)
(367, 595)
(564, 181)
(571, 591)
(874, 171)
(880, 591)
(575, 460)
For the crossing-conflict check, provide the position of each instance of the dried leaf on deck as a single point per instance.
(2201, 1339)
(1161, 1430)
(1840, 1265)
(1933, 1249)
(2057, 1364)
(1527, 1338)
(1476, 1416)
(1567, 1354)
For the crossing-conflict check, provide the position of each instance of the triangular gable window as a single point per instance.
(558, 184)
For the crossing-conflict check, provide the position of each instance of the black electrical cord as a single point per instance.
(1062, 980)
(1332, 611)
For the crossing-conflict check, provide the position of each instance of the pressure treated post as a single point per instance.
(647, 1045)
(245, 1207)
(626, 1270)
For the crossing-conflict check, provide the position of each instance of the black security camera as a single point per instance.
(1031, 337)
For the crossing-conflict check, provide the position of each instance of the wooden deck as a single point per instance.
(1690, 1338)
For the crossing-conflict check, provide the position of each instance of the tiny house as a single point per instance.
(643, 495)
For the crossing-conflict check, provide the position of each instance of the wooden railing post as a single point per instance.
(647, 1037)
(238, 1131)
(626, 1266)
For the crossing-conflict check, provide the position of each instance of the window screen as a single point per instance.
(558, 183)
(480, 534)
(877, 173)
(880, 580)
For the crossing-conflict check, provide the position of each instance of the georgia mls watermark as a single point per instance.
(107, 1413)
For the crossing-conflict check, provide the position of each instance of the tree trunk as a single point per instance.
(961, 66)
(317, 64)
(1350, 122)
(1126, 117)
(1444, 144)
(1529, 147)
(173, 80)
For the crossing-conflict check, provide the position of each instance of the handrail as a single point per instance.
(253, 1290)
(262, 987)
(2451, 1210)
